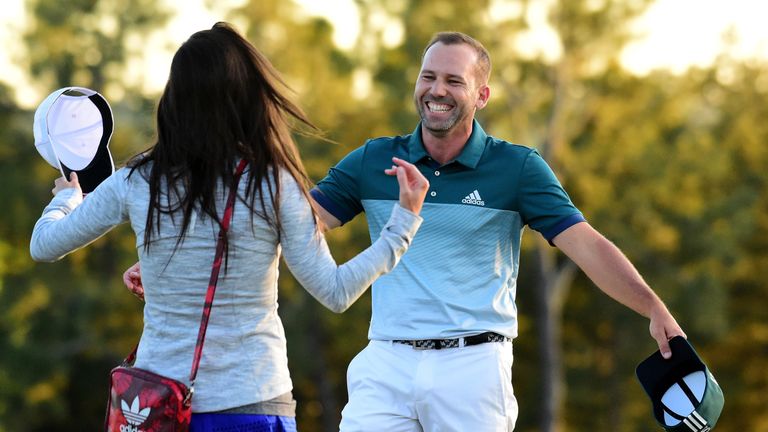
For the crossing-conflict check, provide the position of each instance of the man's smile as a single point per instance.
(437, 107)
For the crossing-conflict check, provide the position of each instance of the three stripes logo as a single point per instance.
(696, 423)
(134, 415)
(474, 198)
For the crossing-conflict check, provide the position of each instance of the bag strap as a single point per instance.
(225, 221)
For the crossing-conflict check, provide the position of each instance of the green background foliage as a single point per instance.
(672, 168)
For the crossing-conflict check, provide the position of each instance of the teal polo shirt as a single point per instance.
(459, 276)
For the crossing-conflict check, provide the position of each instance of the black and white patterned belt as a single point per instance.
(425, 344)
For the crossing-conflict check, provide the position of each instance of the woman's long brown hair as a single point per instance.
(221, 103)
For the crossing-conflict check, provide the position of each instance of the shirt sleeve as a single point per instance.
(70, 221)
(339, 192)
(544, 204)
(307, 255)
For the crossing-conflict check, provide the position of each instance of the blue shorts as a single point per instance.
(218, 422)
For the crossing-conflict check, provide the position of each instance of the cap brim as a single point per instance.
(40, 128)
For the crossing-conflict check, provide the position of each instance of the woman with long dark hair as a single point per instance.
(222, 104)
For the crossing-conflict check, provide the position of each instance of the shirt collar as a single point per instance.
(469, 156)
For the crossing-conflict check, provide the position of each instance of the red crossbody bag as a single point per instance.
(143, 401)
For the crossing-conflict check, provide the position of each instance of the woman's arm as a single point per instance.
(309, 259)
(70, 222)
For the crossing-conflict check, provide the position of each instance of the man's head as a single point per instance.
(452, 83)
(483, 64)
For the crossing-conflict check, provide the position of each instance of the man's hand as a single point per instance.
(664, 327)
(132, 281)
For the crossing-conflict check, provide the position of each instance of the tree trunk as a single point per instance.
(617, 397)
(320, 372)
(552, 288)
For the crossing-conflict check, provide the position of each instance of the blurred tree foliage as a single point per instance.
(673, 168)
(67, 324)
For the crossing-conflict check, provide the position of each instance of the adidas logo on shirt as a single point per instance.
(474, 198)
(134, 415)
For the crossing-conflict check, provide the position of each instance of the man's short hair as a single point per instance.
(455, 38)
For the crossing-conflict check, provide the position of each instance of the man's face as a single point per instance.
(447, 90)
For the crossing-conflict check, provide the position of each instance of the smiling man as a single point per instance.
(443, 321)
(440, 351)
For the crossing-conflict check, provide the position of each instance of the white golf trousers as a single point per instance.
(393, 387)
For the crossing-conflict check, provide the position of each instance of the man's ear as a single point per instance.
(483, 94)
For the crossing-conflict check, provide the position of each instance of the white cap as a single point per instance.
(72, 129)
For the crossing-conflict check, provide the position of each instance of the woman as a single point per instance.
(221, 105)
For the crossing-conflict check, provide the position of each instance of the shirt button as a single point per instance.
(433, 193)
(437, 173)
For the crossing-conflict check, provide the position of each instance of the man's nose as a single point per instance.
(438, 88)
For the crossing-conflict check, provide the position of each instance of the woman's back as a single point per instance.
(239, 364)
(223, 102)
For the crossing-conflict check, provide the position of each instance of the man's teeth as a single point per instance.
(436, 107)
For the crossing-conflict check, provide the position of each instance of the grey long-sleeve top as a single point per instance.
(244, 358)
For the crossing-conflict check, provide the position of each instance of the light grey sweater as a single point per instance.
(244, 357)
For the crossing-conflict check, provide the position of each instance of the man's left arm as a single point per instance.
(615, 275)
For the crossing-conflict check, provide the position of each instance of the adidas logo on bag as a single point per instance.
(134, 415)
(473, 198)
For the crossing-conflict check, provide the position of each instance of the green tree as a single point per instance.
(671, 168)
(67, 324)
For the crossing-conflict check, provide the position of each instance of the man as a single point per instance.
(440, 351)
